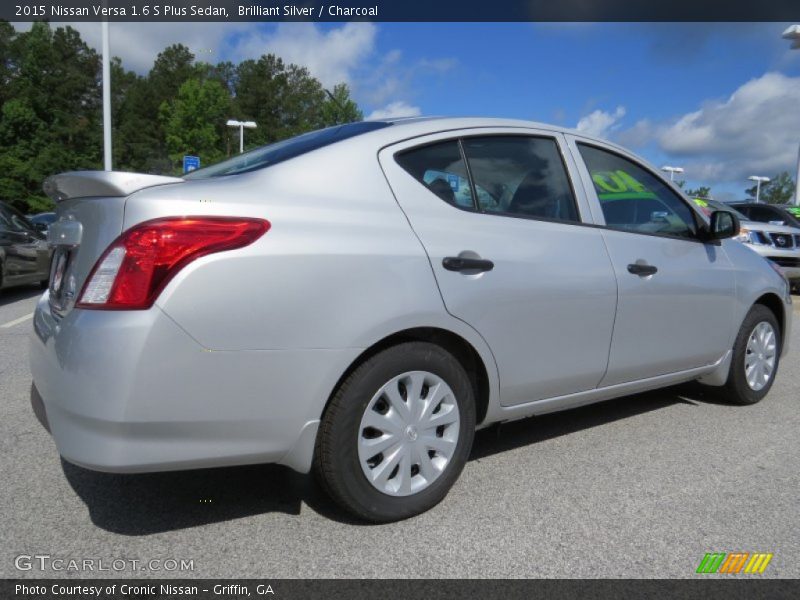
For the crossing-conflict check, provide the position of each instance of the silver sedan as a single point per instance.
(358, 300)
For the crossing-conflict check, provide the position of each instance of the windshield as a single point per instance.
(286, 149)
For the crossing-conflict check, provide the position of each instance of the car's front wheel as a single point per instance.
(756, 353)
(397, 432)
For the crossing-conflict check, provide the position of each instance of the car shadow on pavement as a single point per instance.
(144, 504)
(12, 295)
(534, 430)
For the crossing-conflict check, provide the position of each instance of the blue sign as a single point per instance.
(191, 163)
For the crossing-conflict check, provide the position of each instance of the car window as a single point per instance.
(11, 220)
(765, 214)
(520, 176)
(633, 198)
(794, 213)
(745, 210)
(707, 206)
(272, 154)
(440, 167)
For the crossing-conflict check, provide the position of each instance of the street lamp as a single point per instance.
(793, 33)
(242, 125)
(672, 171)
(759, 180)
(107, 153)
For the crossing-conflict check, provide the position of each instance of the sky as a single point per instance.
(720, 100)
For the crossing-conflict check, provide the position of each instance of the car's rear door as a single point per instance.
(546, 307)
(676, 293)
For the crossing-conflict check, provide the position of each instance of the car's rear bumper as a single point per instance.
(132, 392)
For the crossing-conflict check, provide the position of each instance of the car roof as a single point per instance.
(408, 127)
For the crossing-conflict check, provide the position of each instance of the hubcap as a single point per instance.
(408, 433)
(759, 356)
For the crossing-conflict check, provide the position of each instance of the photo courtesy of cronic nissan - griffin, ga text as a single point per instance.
(359, 300)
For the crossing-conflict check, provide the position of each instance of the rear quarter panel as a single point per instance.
(338, 263)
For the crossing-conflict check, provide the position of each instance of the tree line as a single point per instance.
(51, 109)
(779, 190)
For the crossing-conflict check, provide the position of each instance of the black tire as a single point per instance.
(336, 461)
(736, 390)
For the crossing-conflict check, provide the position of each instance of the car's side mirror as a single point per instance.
(723, 225)
(40, 227)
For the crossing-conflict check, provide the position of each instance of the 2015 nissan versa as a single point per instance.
(361, 298)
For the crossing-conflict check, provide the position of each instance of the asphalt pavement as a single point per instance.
(642, 486)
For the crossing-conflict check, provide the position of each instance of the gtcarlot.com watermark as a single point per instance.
(59, 564)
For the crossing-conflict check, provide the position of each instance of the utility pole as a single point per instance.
(107, 148)
(759, 180)
(793, 33)
(241, 125)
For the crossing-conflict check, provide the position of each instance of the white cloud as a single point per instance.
(599, 122)
(755, 130)
(331, 56)
(395, 110)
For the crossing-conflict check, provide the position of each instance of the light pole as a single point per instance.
(106, 98)
(672, 171)
(242, 125)
(793, 33)
(759, 180)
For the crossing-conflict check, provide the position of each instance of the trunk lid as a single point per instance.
(91, 207)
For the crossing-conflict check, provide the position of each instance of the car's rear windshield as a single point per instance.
(286, 149)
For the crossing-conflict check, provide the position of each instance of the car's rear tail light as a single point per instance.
(138, 265)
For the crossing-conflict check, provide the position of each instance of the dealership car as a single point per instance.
(779, 214)
(774, 241)
(24, 254)
(359, 299)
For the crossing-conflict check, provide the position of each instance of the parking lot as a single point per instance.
(642, 486)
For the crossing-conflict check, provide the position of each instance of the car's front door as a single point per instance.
(676, 293)
(501, 224)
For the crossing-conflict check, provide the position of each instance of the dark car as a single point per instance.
(24, 253)
(778, 214)
(43, 220)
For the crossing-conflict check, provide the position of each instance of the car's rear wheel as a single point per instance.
(397, 433)
(756, 354)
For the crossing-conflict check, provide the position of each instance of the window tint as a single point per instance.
(765, 214)
(441, 169)
(634, 199)
(518, 175)
(286, 149)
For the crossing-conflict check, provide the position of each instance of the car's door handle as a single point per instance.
(642, 270)
(457, 263)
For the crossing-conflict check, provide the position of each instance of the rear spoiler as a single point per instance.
(87, 184)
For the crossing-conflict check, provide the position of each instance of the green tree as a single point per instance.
(142, 143)
(701, 192)
(339, 107)
(50, 117)
(284, 101)
(193, 121)
(7, 35)
(779, 190)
